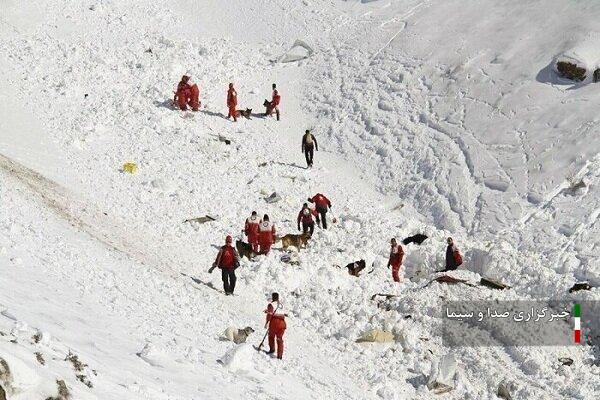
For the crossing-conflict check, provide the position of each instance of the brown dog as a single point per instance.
(298, 241)
(243, 113)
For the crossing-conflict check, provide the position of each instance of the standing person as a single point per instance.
(395, 261)
(309, 144)
(275, 104)
(322, 204)
(266, 235)
(232, 102)
(251, 228)
(227, 260)
(453, 257)
(276, 325)
(306, 217)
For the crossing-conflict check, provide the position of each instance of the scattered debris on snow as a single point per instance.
(443, 374)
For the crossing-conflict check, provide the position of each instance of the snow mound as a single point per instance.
(239, 358)
(299, 51)
(581, 61)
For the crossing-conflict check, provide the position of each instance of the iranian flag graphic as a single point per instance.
(577, 323)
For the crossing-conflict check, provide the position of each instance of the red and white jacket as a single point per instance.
(266, 232)
(306, 216)
(274, 311)
(252, 226)
(396, 256)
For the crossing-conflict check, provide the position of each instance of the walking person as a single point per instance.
(266, 235)
(305, 216)
(309, 145)
(251, 228)
(232, 102)
(227, 260)
(276, 325)
(322, 205)
(395, 260)
(273, 105)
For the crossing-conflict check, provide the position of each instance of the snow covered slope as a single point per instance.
(441, 117)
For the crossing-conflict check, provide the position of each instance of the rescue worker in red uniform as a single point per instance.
(266, 235)
(232, 102)
(453, 256)
(251, 230)
(187, 94)
(306, 217)
(276, 324)
(322, 204)
(395, 261)
(273, 105)
(227, 260)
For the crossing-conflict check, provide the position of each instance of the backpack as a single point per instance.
(227, 257)
(457, 258)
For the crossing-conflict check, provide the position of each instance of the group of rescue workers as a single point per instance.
(261, 233)
(188, 94)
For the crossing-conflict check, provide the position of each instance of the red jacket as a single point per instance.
(227, 258)
(306, 218)
(266, 233)
(183, 90)
(251, 226)
(275, 101)
(231, 98)
(321, 201)
(274, 312)
(396, 256)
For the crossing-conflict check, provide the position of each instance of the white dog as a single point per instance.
(237, 336)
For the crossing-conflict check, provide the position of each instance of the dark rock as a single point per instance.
(570, 71)
(566, 361)
(580, 286)
(201, 220)
(386, 295)
(492, 284)
(418, 239)
(40, 358)
(504, 391)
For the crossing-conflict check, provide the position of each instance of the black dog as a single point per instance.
(244, 249)
(355, 267)
(418, 239)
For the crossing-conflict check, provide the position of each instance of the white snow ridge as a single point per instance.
(471, 119)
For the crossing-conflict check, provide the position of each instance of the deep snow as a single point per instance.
(440, 117)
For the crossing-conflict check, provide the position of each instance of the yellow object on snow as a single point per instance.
(376, 336)
(130, 167)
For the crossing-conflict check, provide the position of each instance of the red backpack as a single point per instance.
(227, 257)
(457, 258)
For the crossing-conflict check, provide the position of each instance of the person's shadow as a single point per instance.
(168, 104)
(293, 165)
(258, 115)
(213, 114)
